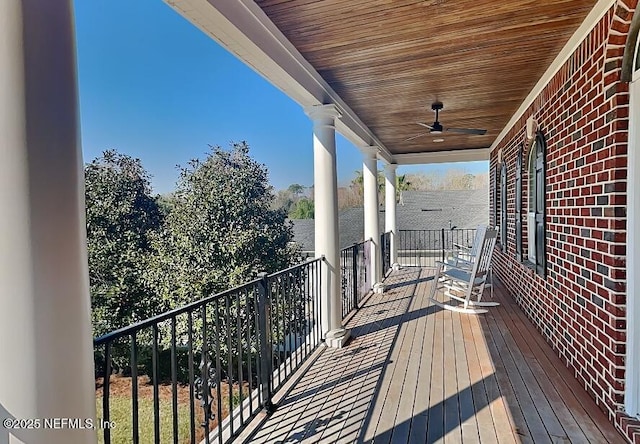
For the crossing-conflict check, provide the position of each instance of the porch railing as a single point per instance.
(355, 275)
(213, 364)
(385, 252)
(422, 248)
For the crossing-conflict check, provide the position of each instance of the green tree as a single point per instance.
(296, 189)
(221, 230)
(165, 203)
(303, 209)
(121, 217)
(283, 200)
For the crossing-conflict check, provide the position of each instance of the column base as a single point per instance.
(395, 266)
(378, 287)
(337, 338)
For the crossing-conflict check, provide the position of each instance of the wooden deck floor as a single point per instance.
(415, 373)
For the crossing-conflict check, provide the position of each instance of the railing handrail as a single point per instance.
(356, 244)
(308, 261)
(140, 325)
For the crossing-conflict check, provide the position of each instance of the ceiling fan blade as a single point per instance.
(425, 125)
(479, 132)
(415, 137)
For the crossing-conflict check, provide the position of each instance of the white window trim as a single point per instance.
(632, 371)
(531, 212)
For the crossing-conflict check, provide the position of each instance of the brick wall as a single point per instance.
(580, 306)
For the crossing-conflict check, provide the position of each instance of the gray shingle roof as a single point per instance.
(418, 210)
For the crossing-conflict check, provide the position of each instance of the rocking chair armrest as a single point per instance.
(462, 247)
(464, 261)
(444, 264)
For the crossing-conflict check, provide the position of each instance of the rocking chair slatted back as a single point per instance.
(483, 258)
(465, 256)
(480, 231)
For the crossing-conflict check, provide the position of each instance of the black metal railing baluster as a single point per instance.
(174, 381)
(276, 308)
(227, 322)
(264, 329)
(293, 316)
(135, 432)
(156, 394)
(216, 336)
(381, 243)
(204, 378)
(284, 343)
(354, 274)
(240, 349)
(257, 322)
(308, 301)
(106, 384)
(248, 304)
(319, 298)
(192, 410)
(299, 315)
(317, 325)
(289, 306)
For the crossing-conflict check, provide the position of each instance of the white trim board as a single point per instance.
(467, 155)
(632, 358)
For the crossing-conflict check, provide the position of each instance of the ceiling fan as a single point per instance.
(437, 128)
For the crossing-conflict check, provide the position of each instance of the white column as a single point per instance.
(371, 223)
(45, 322)
(326, 220)
(390, 218)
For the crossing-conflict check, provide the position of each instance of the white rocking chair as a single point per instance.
(465, 284)
(464, 256)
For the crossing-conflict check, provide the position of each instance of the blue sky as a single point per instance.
(155, 87)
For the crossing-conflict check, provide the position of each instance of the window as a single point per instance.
(503, 206)
(536, 205)
(496, 185)
(531, 204)
(518, 209)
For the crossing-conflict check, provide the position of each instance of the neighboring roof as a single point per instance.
(350, 226)
(418, 210)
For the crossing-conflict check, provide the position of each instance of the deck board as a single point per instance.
(417, 373)
(469, 425)
(590, 418)
(419, 423)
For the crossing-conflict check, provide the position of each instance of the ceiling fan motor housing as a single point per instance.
(436, 128)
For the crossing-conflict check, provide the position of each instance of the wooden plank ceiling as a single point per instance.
(390, 59)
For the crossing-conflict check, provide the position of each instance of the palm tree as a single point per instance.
(402, 184)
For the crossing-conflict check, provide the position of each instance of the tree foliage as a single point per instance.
(303, 209)
(121, 216)
(221, 230)
(296, 189)
(294, 202)
(452, 179)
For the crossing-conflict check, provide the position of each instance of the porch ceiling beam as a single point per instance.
(443, 156)
(245, 30)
